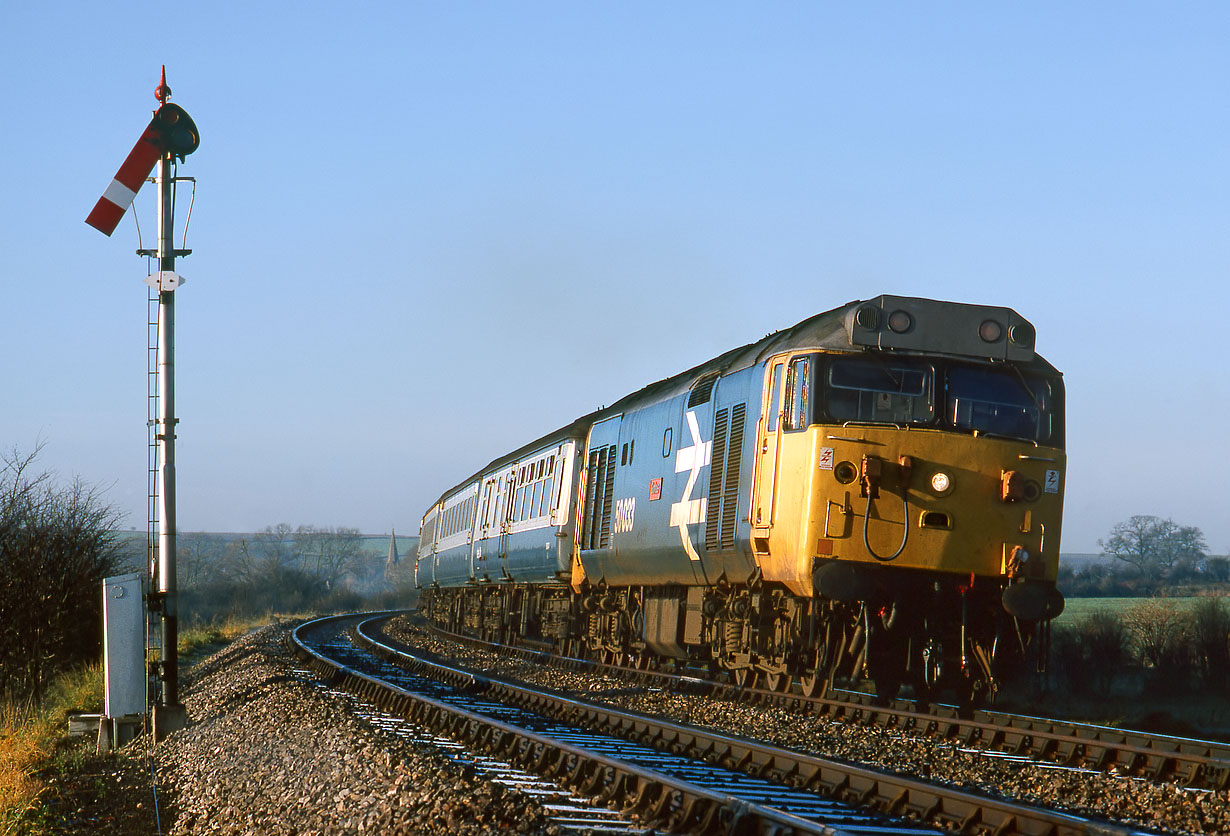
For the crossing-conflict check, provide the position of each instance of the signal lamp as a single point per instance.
(990, 331)
(179, 132)
(899, 322)
(940, 483)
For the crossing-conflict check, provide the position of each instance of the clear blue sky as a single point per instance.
(425, 233)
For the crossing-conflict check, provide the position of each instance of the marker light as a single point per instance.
(1022, 333)
(899, 322)
(990, 331)
(845, 472)
(940, 483)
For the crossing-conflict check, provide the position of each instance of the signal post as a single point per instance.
(171, 134)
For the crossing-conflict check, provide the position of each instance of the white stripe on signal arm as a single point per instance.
(119, 194)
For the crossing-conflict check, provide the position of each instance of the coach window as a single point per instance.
(532, 509)
(798, 391)
(547, 495)
(545, 507)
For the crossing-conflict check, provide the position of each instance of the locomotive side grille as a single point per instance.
(596, 459)
(714, 507)
(608, 490)
(730, 493)
(701, 391)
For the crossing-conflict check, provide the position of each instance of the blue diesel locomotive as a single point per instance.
(875, 493)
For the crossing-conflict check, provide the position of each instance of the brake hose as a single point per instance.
(905, 525)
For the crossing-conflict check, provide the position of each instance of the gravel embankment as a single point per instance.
(1163, 807)
(267, 752)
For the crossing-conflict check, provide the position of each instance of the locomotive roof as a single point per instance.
(835, 330)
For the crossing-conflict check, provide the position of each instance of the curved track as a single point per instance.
(1202, 764)
(702, 783)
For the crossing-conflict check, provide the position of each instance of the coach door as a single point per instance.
(768, 449)
(487, 522)
(506, 519)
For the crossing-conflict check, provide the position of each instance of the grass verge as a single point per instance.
(29, 733)
(33, 757)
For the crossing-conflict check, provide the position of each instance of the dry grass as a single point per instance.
(201, 638)
(28, 736)
(22, 748)
(29, 732)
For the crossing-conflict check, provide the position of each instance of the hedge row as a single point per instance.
(1151, 647)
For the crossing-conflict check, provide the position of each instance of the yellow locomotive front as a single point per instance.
(911, 487)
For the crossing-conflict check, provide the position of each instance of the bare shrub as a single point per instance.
(1210, 631)
(1090, 653)
(1068, 659)
(56, 546)
(1160, 634)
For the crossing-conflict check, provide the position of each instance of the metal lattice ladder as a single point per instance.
(153, 627)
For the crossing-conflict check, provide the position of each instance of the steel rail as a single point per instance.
(953, 809)
(657, 799)
(1200, 764)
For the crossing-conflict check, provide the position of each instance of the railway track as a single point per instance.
(569, 812)
(1200, 764)
(662, 774)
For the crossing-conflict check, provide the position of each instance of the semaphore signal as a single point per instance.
(170, 131)
(171, 134)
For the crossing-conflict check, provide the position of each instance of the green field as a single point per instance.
(1077, 608)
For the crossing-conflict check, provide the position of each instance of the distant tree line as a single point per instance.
(1152, 555)
(57, 543)
(283, 570)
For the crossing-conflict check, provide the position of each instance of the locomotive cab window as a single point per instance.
(880, 391)
(796, 415)
(1001, 401)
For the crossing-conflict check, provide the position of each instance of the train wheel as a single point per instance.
(744, 677)
(780, 682)
(815, 684)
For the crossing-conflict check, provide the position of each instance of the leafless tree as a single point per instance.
(56, 546)
(1154, 545)
(328, 554)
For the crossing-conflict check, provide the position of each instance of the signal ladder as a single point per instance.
(153, 629)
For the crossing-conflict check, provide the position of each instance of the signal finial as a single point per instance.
(162, 92)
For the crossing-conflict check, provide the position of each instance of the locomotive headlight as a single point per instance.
(990, 331)
(940, 483)
(900, 322)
